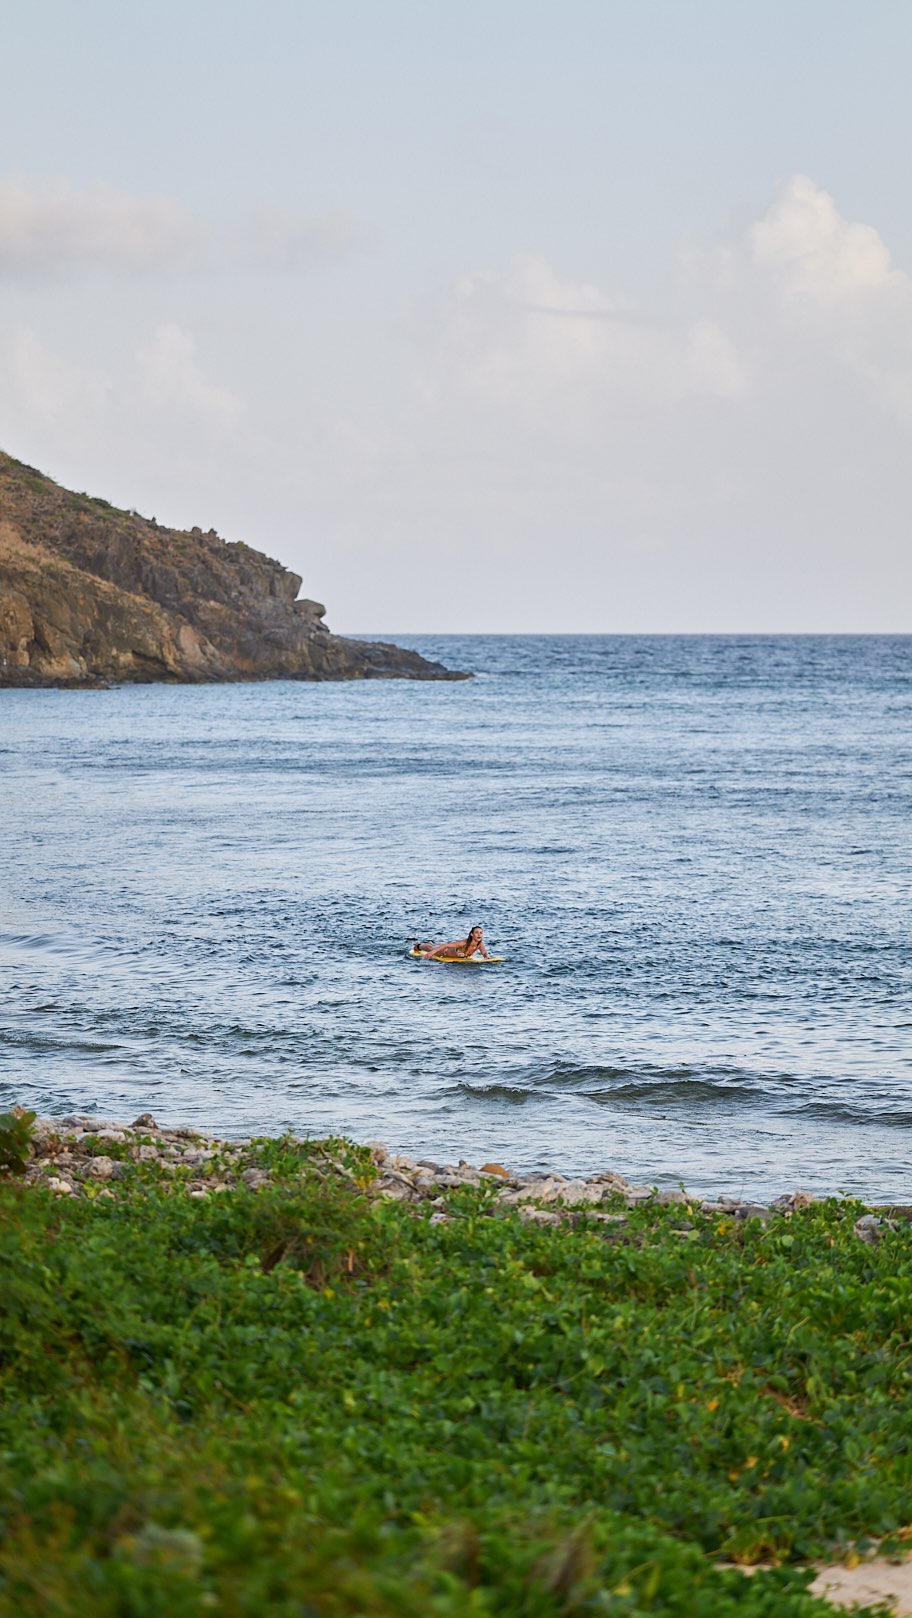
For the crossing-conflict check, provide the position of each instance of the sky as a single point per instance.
(577, 316)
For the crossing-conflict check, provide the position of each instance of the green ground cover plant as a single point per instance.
(15, 1137)
(306, 1401)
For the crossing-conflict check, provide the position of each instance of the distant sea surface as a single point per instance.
(695, 853)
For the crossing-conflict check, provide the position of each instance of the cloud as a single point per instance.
(729, 452)
(837, 294)
(171, 378)
(155, 408)
(50, 388)
(531, 341)
(61, 233)
(283, 239)
(812, 252)
(800, 287)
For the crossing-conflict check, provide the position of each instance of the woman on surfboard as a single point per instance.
(461, 949)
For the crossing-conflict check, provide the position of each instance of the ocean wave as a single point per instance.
(688, 1092)
(682, 1090)
(41, 1043)
(858, 1116)
(516, 1094)
(628, 1085)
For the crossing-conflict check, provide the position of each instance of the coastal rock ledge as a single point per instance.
(90, 594)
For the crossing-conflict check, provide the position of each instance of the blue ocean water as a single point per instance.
(695, 852)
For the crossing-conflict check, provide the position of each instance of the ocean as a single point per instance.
(695, 853)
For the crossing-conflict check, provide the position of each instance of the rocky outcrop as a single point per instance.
(72, 1153)
(89, 594)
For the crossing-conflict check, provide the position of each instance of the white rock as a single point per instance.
(556, 1189)
(100, 1168)
(576, 1192)
(394, 1189)
(542, 1190)
(45, 1129)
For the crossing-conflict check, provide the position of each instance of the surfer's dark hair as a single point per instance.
(469, 935)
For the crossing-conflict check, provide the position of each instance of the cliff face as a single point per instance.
(90, 593)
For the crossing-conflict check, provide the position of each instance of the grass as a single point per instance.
(38, 482)
(93, 506)
(305, 1401)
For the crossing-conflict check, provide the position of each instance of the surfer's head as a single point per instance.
(473, 939)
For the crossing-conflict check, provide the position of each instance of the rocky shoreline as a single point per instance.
(80, 1155)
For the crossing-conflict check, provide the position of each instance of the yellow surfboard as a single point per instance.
(458, 960)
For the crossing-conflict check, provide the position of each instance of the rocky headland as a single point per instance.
(90, 594)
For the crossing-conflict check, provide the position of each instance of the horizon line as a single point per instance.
(633, 634)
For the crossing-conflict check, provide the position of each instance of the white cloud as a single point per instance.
(284, 239)
(529, 340)
(51, 388)
(802, 287)
(730, 453)
(128, 431)
(714, 365)
(812, 252)
(61, 232)
(171, 378)
(838, 294)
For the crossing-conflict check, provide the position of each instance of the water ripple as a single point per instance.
(694, 853)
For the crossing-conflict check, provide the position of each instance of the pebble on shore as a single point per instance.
(80, 1155)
